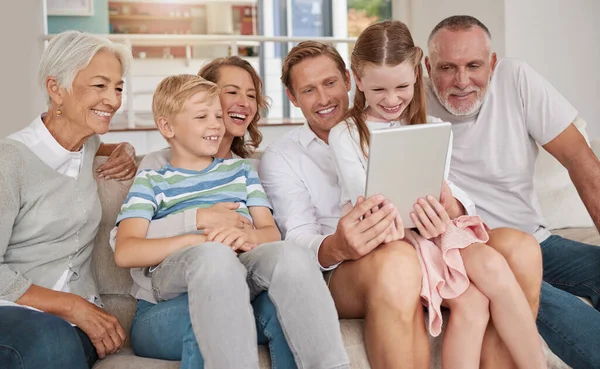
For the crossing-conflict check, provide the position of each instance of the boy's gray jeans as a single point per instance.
(220, 286)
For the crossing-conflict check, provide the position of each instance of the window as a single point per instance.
(362, 13)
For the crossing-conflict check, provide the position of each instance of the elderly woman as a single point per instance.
(50, 311)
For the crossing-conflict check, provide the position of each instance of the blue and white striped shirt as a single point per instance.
(168, 190)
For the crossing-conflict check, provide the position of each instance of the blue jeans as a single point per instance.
(31, 339)
(570, 327)
(164, 331)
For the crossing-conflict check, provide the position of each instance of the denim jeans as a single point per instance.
(570, 327)
(220, 286)
(31, 339)
(164, 331)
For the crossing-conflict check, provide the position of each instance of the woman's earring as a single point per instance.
(59, 111)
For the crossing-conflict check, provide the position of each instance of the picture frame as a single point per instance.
(83, 8)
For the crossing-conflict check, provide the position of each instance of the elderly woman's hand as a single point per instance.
(120, 164)
(103, 329)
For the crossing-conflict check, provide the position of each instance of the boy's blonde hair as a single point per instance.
(173, 92)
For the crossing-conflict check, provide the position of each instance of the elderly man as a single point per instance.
(500, 109)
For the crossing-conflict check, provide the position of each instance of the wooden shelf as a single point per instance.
(148, 17)
(192, 2)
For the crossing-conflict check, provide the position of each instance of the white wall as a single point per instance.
(20, 31)
(561, 40)
(425, 14)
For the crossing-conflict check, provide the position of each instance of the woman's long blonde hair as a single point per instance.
(386, 43)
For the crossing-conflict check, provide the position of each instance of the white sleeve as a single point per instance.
(547, 112)
(347, 155)
(457, 192)
(463, 198)
(292, 206)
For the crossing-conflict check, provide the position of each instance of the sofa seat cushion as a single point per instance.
(352, 333)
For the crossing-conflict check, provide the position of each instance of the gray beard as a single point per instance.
(471, 112)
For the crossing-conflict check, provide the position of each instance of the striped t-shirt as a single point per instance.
(169, 190)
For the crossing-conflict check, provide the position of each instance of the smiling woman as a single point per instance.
(51, 211)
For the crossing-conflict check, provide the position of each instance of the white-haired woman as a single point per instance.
(50, 210)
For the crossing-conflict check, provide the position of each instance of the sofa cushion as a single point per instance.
(110, 278)
(560, 203)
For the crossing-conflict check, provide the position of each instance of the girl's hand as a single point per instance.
(430, 217)
(453, 207)
(233, 237)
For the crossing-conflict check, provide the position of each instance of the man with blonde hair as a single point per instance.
(500, 111)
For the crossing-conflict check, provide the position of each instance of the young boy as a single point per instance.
(188, 114)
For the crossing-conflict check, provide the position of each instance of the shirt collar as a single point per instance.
(306, 136)
(49, 150)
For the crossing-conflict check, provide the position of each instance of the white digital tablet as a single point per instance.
(407, 163)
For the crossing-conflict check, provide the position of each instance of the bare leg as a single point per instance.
(510, 312)
(524, 257)
(384, 288)
(469, 316)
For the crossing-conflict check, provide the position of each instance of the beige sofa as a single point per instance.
(114, 284)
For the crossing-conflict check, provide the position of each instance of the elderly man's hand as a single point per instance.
(120, 164)
(103, 329)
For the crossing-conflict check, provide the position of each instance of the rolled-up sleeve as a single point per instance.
(293, 210)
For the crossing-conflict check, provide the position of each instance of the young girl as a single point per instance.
(451, 245)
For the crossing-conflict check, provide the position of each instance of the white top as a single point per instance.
(299, 176)
(351, 164)
(39, 140)
(494, 152)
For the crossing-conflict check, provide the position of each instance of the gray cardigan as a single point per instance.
(48, 222)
